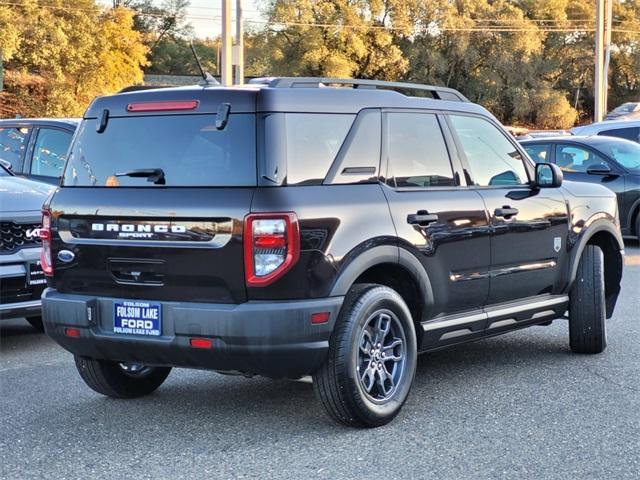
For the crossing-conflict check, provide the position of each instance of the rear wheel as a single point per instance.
(369, 369)
(120, 380)
(587, 329)
(638, 226)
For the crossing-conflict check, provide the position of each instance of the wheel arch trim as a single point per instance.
(613, 272)
(596, 227)
(380, 255)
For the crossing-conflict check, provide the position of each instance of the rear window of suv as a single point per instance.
(188, 148)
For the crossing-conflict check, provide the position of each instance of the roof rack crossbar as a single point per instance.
(439, 93)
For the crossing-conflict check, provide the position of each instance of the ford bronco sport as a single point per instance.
(306, 226)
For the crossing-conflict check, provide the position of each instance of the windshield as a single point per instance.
(626, 153)
(626, 108)
(188, 149)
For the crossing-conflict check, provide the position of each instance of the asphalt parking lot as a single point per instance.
(516, 406)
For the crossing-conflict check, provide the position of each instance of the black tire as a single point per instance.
(113, 380)
(341, 382)
(638, 226)
(36, 322)
(587, 314)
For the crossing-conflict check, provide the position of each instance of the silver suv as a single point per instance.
(21, 276)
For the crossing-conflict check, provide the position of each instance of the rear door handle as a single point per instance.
(422, 218)
(506, 211)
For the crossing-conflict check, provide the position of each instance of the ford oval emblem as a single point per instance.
(66, 256)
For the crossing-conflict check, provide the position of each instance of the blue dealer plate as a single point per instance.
(131, 317)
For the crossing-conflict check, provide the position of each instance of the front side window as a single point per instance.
(631, 133)
(417, 152)
(50, 152)
(493, 159)
(574, 159)
(13, 142)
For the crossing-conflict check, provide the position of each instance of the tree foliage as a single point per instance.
(79, 52)
(529, 61)
(525, 60)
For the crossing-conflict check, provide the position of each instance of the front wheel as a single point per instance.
(587, 328)
(367, 375)
(120, 380)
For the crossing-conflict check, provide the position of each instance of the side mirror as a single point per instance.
(548, 175)
(6, 164)
(600, 169)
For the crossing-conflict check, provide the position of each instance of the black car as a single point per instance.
(36, 148)
(305, 226)
(609, 161)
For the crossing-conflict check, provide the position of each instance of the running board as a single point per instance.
(491, 320)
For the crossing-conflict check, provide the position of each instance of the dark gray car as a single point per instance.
(21, 276)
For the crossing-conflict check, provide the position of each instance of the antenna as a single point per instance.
(207, 78)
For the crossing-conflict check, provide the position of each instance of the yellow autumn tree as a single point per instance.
(80, 50)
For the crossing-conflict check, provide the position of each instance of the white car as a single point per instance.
(628, 129)
(626, 111)
(21, 277)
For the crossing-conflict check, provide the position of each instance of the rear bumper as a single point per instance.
(275, 339)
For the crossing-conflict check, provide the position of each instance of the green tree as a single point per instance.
(341, 38)
(174, 57)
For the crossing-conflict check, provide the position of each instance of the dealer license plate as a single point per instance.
(132, 317)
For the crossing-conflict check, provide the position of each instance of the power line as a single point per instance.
(498, 26)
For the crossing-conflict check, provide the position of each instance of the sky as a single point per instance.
(205, 15)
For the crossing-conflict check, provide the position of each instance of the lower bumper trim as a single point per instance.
(274, 339)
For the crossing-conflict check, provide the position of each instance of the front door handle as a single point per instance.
(422, 218)
(506, 212)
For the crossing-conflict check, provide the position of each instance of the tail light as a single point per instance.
(271, 246)
(45, 236)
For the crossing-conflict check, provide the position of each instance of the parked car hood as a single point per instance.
(22, 195)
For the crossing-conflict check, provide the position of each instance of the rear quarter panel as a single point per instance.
(337, 223)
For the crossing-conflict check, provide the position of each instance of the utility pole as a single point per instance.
(238, 56)
(598, 84)
(225, 53)
(604, 13)
(608, 11)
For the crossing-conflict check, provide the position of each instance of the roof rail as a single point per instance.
(439, 93)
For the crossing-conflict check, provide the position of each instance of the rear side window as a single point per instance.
(417, 152)
(539, 153)
(312, 142)
(632, 133)
(188, 148)
(13, 142)
(493, 159)
(50, 152)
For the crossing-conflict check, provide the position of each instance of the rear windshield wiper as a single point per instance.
(155, 175)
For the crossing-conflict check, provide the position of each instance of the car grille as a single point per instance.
(14, 236)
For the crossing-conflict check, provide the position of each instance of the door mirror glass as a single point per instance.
(6, 164)
(548, 175)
